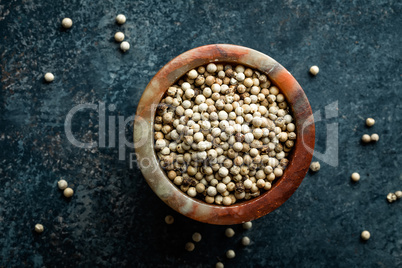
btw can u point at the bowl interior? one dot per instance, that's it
(274, 183)
(282, 188)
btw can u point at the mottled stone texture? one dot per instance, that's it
(114, 219)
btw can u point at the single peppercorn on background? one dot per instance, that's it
(114, 219)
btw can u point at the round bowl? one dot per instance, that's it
(282, 188)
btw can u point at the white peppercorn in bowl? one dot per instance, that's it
(164, 187)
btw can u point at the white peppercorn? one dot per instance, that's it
(240, 196)
(169, 219)
(229, 232)
(314, 70)
(240, 77)
(226, 180)
(39, 228)
(315, 166)
(355, 177)
(189, 246)
(219, 265)
(248, 82)
(280, 98)
(230, 254)
(247, 225)
(223, 115)
(283, 136)
(68, 192)
(239, 69)
(186, 104)
(165, 151)
(178, 180)
(257, 121)
(223, 172)
(124, 46)
(248, 137)
(119, 37)
(391, 197)
(209, 199)
(67, 23)
(192, 192)
(211, 68)
(245, 241)
(248, 72)
(200, 99)
(278, 172)
(267, 186)
(366, 138)
(221, 187)
(370, 122)
(365, 235)
(227, 201)
(120, 19)
(248, 184)
(49, 77)
(196, 237)
(374, 137)
(218, 199)
(231, 186)
(290, 127)
(261, 181)
(203, 107)
(192, 74)
(62, 184)
(189, 93)
(211, 191)
(238, 146)
(207, 92)
(248, 118)
(253, 152)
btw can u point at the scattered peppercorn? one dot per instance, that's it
(374, 137)
(391, 197)
(355, 177)
(124, 46)
(62, 184)
(230, 254)
(315, 166)
(169, 219)
(366, 138)
(398, 194)
(39, 228)
(189, 246)
(219, 265)
(49, 77)
(68, 192)
(370, 122)
(119, 37)
(66, 23)
(365, 235)
(314, 70)
(247, 225)
(196, 237)
(120, 19)
(229, 232)
(245, 241)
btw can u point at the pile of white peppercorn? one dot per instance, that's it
(223, 133)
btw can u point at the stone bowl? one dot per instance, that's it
(282, 188)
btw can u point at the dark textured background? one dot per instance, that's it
(114, 219)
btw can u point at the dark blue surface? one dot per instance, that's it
(114, 219)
